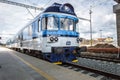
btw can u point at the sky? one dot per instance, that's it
(13, 18)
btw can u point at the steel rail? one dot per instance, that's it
(115, 60)
(93, 70)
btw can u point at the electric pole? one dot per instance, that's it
(90, 12)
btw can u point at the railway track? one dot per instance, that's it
(115, 60)
(100, 75)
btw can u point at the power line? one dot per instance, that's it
(99, 4)
(47, 3)
(6, 34)
(30, 12)
(84, 19)
(94, 4)
(20, 4)
(34, 3)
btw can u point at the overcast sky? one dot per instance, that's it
(13, 18)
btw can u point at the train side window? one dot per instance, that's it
(21, 36)
(30, 31)
(35, 30)
(44, 23)
(27, 33)
(16, 39)
(39, 26)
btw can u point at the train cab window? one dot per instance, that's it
(71, 25)
(50, 23)
(44, 23)
(67, 24)
(77, 27)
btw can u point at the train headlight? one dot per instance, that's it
(56, 39)
(52, 39)
(79, 40)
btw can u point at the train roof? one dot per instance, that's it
(61, 8)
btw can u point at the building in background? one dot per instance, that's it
(86, 42)
(116, 9)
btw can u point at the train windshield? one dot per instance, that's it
(58, 23)
(67, 24)
(50, 23)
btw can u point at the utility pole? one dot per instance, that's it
(90, 12)
(90, 20)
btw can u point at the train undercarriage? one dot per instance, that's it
(57, 56)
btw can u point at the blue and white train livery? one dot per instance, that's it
(52, 34)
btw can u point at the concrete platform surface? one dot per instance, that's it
(17, 66)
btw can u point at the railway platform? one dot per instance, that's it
(17, 66)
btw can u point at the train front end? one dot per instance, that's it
(60, 38)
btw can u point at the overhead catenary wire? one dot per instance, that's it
(20, 4)
(47, 3)
(34, 3)
(31, 3)
(30, 12)
(90, 12)
(94, 4)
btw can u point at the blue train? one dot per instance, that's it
(52, 35)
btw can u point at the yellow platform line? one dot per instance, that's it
(48, 77)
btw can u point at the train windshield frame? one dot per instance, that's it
(59, 23)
